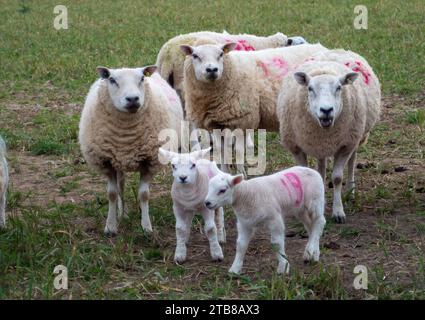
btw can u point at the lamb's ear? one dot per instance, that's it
(187, 50)
(236, 180)
(302, 78)
(348, 78)
(103, 72)
(166, 155)
(149, 70)
(200, 154)
(229, 47)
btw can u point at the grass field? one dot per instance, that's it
(57, 207)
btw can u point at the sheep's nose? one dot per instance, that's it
(183, 178)
(134, 99)
(211, 70)
(207, 203)
(326, 111)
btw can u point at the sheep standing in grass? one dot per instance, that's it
(190, 187)
(170, 60)
(297, 191)
(123, 115)
(327, 108)
(4, 181)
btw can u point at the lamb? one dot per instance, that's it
(170, 60)
(191, 175)
(324, 111)
(120, 127)
(297, 191)
(4, 181)
(236, 89)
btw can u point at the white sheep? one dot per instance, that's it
(4, 181)
(237, 89)
(190, 187)
(297, 191)
(170, 60)
(120, 127)
(324, 111)
(295, 41)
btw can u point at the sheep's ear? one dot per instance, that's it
(166, 155)
(236, 180)
(348, 78)
(187, 50)
(149, 70)
(200, 154)
(302, 78)
(103, 72)
(289, 42)
(229, 47)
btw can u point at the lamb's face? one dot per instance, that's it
(324, 95)
(207, 60)
(126, 86)
(221, 189)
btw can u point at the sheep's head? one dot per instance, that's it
(221, 189)
(184, 165)
(126, 86)
(324, 95)
(207, 60)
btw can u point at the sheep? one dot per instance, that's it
(297, 191)
(123, 115)
(191, 175)
(170, 60)
(4, 181)
(295, 41)
(235, 89)
(324, 111)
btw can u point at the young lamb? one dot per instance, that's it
(324, 111)
(170, 59)
(190, 187)
(123, 115)
(236, 89)
(4, 181)
(297, 191)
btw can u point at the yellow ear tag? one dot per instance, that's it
(147, 74)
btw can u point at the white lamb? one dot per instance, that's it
(4, 181)
(297, 191)
(190, 187)
(324, 111)
(120, 127)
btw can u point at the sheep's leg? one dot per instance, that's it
(300, 158)
(183, 226)
(340, 159)
(3, 210)
(219, 221)
(111, 227)
(121, 185)
(350, 177)
(321, 168)
(144, 202)
(244, 236)
(211, 232)
(316, 223)
(277, 237)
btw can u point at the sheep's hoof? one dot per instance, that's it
(217, 257)
(339, 219)
(110, 233)
(179, 259)
(234, 272)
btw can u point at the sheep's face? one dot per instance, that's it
(184, 165)
(221, 189)
(126, 86)
(207, 60)
(324, 95)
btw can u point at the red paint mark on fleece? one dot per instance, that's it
(357, 66)
(169, 92)
(296, 186)
(276, 68)
(210, 174)
(242, 45)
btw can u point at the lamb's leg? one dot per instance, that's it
(316, 223)
(111, 227)
(244, 236)
(340, 159)
(211, 232)
(183, 226)
(300, 158)
(121, 185)
(277, 237)
(144, 202)
(350, 177)
(219, 221)
(2, 210)
(321, 168)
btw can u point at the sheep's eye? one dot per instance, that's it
(310, 89)
(222, 191)
(142, 79)
(338, 88)
(113, 81)
(195, 56)
(221, 54)
(193, 166)
(173, 166)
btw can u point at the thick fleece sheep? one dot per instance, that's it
(4, 181)
(297, 191)
(190, 187)
(122, 118)
(327, 108)
(170, 59)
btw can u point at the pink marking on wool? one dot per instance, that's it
(357, 66)
(264, 67)
(286, 187)
(210, 173)
(241, 45)
(277, 64)
(296, 185)
(169, 92)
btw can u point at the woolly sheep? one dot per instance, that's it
(170, 59)
(297, 191)
(190, 187)
(235, 89)
(4, 181)
(324, 111)
(295, 41)
(123, 115)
